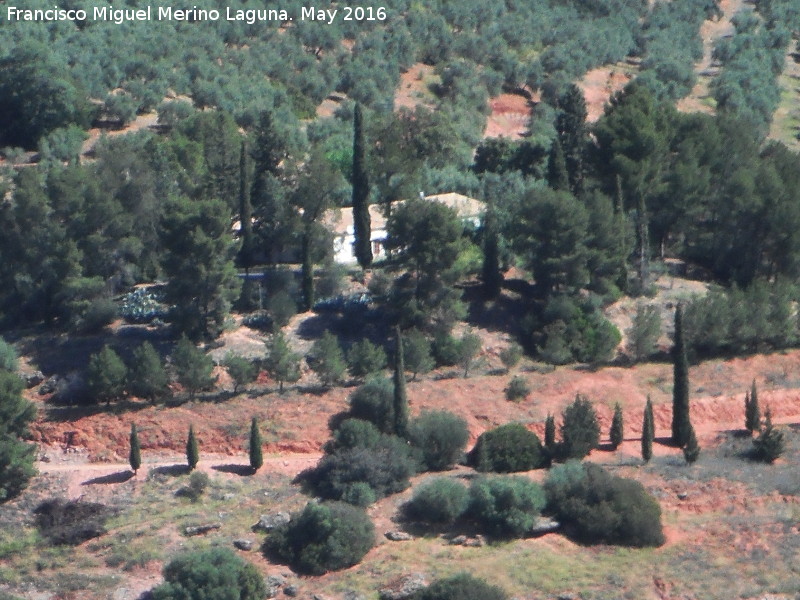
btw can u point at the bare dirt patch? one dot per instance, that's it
(415, 87)
(509, 116)
(598, 85)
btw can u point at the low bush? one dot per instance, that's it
(460, 587)
(517, 389)
(506, 506)
(507, 449)
(324, 537)
(353, 433)
(440, 500)
(71, 522)
(441, 437)
(374, 402)
(214, 573)
(597, 507)
(385, 467)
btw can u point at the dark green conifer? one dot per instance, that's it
(135, 456)
(256, 454)
(192, 450)
(617, 427)
(400, 397)
(648, 431)
(492, 276)
(550, 433)
(557, 175)
(361, 222)
(681, 423)
(752, 412)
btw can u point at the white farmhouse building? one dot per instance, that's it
(341, 223)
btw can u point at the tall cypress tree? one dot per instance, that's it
(573, 134)
(752, 412)
(492, 276)
(617, 427)
(648, 431)
(135, 456)
(550, 433)
(680, 385)
(256, 455)
(192, 450)
(400, 397)
(361, 223)
(557, 175)
(245, 212)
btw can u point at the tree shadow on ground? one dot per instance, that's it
(171, 470)
(235, 469)
(111, 478)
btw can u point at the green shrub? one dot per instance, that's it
(385, 467)
(597, 507)
(365, 358)
(71, 522)
(446, 350)
(327, 359)
(100, 312)
(417, 355)
(441, 437)
(214, 573)
(192, 367)
(324, 537)
(769, 444)
(506, 506)
(580, 431)
(281, 307)
(507, 449)
(8, 356)
(353, 433)
(517, 389)
(460, 587)
(374, 402)
(358, 493)
(441, 500)
(241, 370)
(510, 356)
(198, 483)
(147, 377)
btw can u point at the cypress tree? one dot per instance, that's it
(680, 386)
(245, 213)
(691, 451)
(135, 456)
(573, 134)
(752, 412)
(557, 175)
(550, 433)
(617, 427)
(492, 276)
(361, 222)
(192, 451)
(400, 397)
(648, 431)
(307, 270)
(256, 455)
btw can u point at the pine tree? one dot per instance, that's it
(400, 397)
(550, 433)
(752, 412)
(192, 451)
(680, 385)
(256, 455)
(282, 364)
(557, 175)
(192, 366)
(147, 377)
(648, 431)
(691, 451)
(361, 223)
(328, 360)
(135, 456)
(617, 427)
(106, 375)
